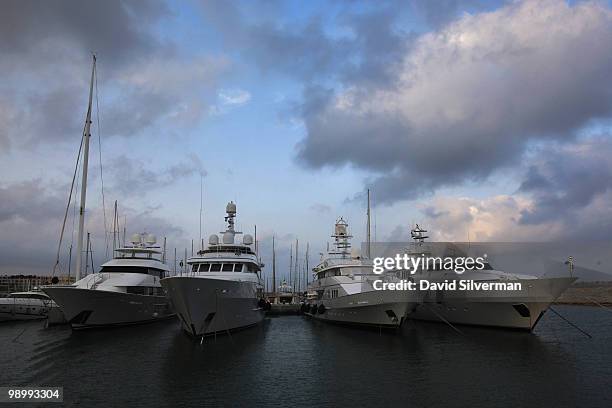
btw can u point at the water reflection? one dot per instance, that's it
(294, 361)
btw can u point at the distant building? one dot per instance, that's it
(24, 283)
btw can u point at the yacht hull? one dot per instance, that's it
(373, 308)
(206, 306)
(84, 308)
(511, 309)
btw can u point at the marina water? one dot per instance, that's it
(294, 361)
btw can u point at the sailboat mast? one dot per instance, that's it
(369, 241)
(296, 272)
(307, 271)
(86, 136)
(290, 265)
(273, 267)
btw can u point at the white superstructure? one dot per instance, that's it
(223, 290)
(343, 283)
(126, 290)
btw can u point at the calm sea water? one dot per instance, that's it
(292, 361)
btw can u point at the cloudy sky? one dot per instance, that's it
(491, 119)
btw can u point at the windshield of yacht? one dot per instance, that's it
(223, 267)
(132, 269)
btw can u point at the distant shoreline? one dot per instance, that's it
(587, 294)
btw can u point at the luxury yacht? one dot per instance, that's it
(31, 305)
(223, 291)
(127, 289)
(344, 287)
(515, 309)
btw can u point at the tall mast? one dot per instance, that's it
(86, 136)
(115, 231)
(201, 205)
(306, 261)
(290, 265)
(369, 242)
(296, 275)
(273, 266)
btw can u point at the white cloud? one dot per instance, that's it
(234, 97)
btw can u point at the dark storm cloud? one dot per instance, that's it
(142, 79)
(566, 180)
(26, 201)
(135, 177)
(468, 98)
(31, 217)
(365, 50)
(115, 29)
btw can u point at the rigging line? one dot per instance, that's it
(433, 310)
(100, 160)
(76, 167)
(570, 323)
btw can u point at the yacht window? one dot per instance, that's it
(137, 290)
(194, 268)
(216, 267)
(228, 267)
(238, 267)
(204, 267)
(251, 268)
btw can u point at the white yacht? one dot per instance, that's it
(285, 293)
(31, 305)
(223, 291)
(515, 309)
(344, 287)
(127, 289)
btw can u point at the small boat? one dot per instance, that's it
(285, 293)
(31, 305)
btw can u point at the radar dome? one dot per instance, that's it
(136, 239)
(151, 239)
(247, 240)
(213, 240)
(340, 229)
(228, 238)
(230, 208)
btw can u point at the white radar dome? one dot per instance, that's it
(151, 239)
(228, 238)
(214, 239)
(247, 240)
(136, 239)
(340, 229)
(230, 208)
